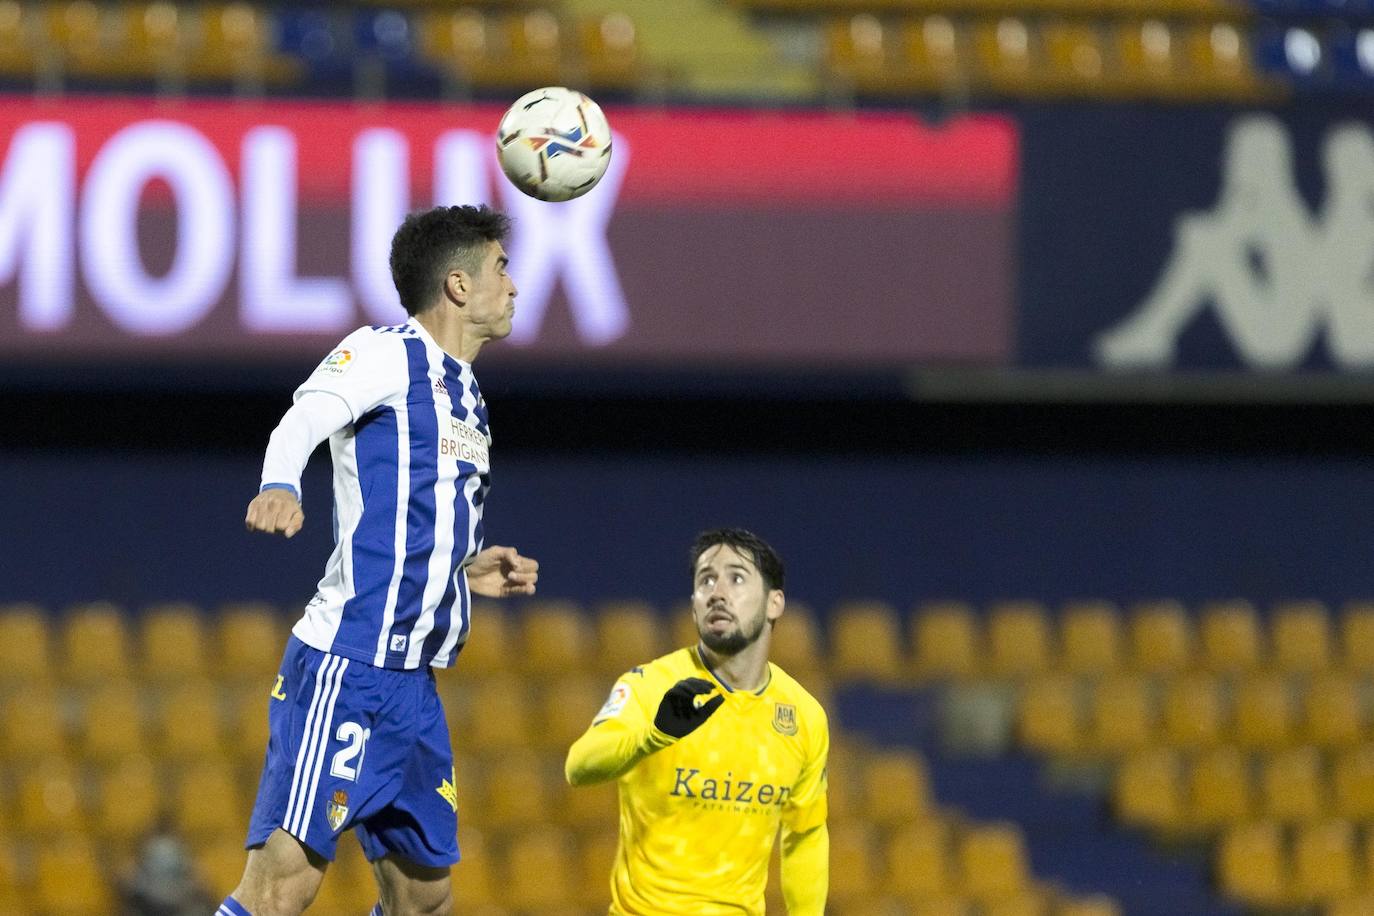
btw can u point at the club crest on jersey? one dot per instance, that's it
(785, 719)
(337, 363)
(337, 810)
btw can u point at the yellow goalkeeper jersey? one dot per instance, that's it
(698, 816)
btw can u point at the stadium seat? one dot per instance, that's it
(1090, 638)
(348, 885)
(487, 651)
(95, 644)
(1193, 714)
(628, 633)
(608, 49)
(249, 642)
(1161, 638)
(519, 788)
(127, 802)
(1099, 905)
(857, 53)
(853, 858)
(845, 774)
(189, 722)
(1292, 786)
(1049, 720)
(14, 898)
(1252, 866)
(1333, 714)
(992, 862)
(236, 46)
(502, 716)
(535, 39)
(248, 725)
(1230, 637)
(1148, 790)
(111, 723)
(945, 641)
(474, 881)
(469, 772)
(917, 860)
(25, 645)
(76, 31)
(1005, 61)
(1324, 862)
(865, 643)
(1218, 61)
(205, 802)
(1352, 779)
(553, 638)
(1302, 637)
(68, 880)
(1148, 54)
(934, 58)
(582, 807)
(596, 857)
(1357, 637)
(1018, 639)
(1074, 61)
(17, 41)
(153, 39)
(565, 710)
(538, 872)
(896, 788)
(1121, 715)
(48, 800)
(33, 725)
(1264, 714)
(171, 643)
(1219, 789)
(796, 644)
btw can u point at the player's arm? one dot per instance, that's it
(314, 417)
(805, 870)
(622, 734)
(501, 572)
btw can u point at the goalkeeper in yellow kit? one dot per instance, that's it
(715, 748)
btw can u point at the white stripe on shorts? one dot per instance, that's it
(324, 746)
(309, 737)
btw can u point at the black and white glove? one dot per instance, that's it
(678, 713)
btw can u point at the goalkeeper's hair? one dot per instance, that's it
(765, 558)
(430, 243)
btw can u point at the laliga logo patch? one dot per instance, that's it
(337, 363)
(620, 693)
(337, 810)
(785, 719)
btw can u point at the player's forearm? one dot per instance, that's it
(610, 749)
(311, 420)
(805, 871)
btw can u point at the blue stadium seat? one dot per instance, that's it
(1352, 58)
(318, 40)
(389, 37)
(1295, 55)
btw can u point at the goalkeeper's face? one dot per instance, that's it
(730, 601)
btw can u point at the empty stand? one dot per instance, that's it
(866, 643)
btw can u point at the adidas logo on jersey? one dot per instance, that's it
(440, 387)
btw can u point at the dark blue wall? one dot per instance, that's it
(138, 528)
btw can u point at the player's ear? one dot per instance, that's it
(776, 601)
(456, 286)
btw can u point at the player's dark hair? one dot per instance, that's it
(430, 243)
(765, 558)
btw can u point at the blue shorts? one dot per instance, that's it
(356, 746)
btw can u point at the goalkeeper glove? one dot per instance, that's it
(678, 713)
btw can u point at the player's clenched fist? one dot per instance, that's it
(275, 511)
(679, 713)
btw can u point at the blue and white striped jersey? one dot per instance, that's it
(411, 473)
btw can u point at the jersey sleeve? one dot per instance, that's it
(806, 807)
(365, 370)
(621, 734)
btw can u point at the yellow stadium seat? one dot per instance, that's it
(473, 879)
(249, 641)
(1028, 903)
(128, 801)
(1302, 637)
(1161, 637)
(1121, 715)
(1355, 905)
(25, 645)
(538, 873)
(946, 641)
(1324, 861)
(236, 44)
(1073, 57)
(76, 31)
(584, 807)
(17, 39)
(1049, 720)
(628, 633)
(13, 885)
(1090, 638)
(865, 643)
(1148, 55)
(348, 885)
(189, 722)
(1193, 713)
(487, 651)
(1088, 906)
(565, 710)
(934, 56)
(917, 860)
(1264, 713)
(1220, 789)
(68, 879)
(172, 643)
(1292, 786)
(248, 725)
(1230, 637)
(896, 788)
(1333, 715)
(992, 862)
(535, 39)
(844, 785)
(1352, 780)
(502, 716)
(1004, 58)
(95, 644)
(553, 638)
(1357, 637)
(608, 50)
(1218, 60)
(853, 857)
(1252, 866)
(596, 857)
(49, 799)
(796, 646)
(33, 724)
(518, 789)
(154, 38)
(1018, 638)
(205, 802)
(471, 794)
(112, 723)
(857, 53)
(1148, 790)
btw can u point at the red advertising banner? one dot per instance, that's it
(135, 228)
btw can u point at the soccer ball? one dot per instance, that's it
(554, 143)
